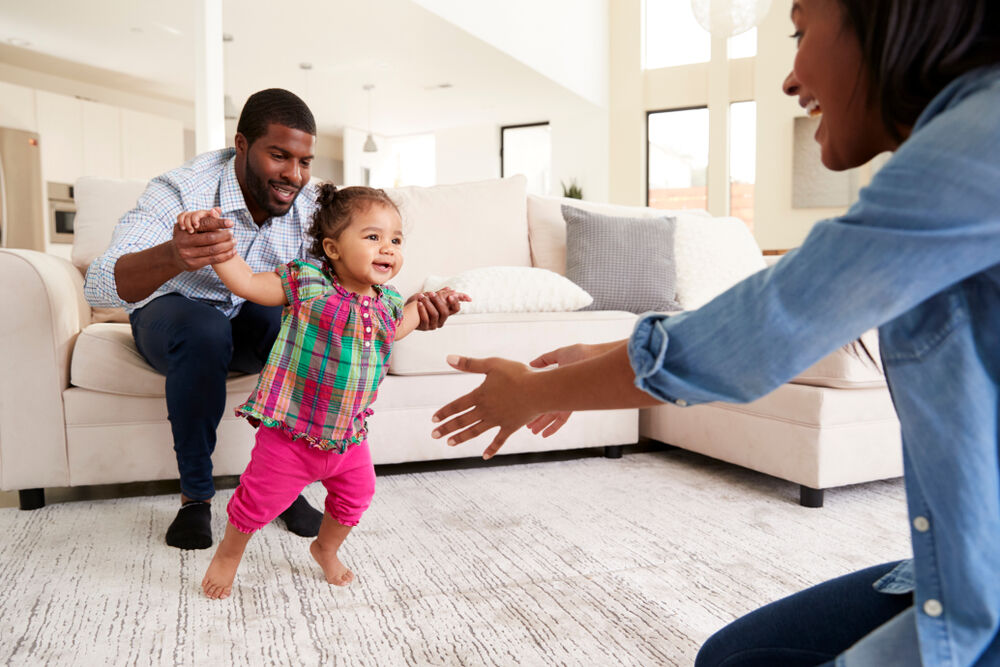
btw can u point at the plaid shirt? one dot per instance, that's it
(328, 360)
(206, 181)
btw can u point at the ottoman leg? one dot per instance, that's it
(31, 499)
(810, 497)
(612, 451)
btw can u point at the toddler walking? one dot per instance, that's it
(314, 394)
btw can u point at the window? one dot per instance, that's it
(672, 37)
(677, 154)
(527, 149)
(742, 159)
(743, 45)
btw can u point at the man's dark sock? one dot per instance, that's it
(192, 528)
(302, 518)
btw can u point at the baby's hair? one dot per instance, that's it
(335, 208)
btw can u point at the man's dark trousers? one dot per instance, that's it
(195, 346)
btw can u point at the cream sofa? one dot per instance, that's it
(79, 405)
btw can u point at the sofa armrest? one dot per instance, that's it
(43, 312)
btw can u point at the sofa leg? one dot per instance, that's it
(810, 497)
(31, 499)
(612, 451)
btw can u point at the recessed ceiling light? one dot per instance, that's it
(305, 66)
(226, 37)
(17, 41)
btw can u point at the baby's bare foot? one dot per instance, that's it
(336, 572)
(218, 581)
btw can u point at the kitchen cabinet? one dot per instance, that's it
(150, 144)
(17, 107)
(102, 140)
(60, 130)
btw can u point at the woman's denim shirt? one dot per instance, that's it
(918, 256)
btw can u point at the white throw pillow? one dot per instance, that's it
(712, 255)
(513, 289)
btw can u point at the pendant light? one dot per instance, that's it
(369, 146)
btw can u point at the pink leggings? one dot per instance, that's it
(280, 468)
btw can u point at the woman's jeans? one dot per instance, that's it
(811, 627)
(195, 346)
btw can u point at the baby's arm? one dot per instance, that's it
(411, 312)
(263, 288)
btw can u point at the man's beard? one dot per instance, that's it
(261, 193)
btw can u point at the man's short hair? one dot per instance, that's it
(274, 105)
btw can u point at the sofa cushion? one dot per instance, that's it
(712, 254)
(847, 367)
(624, 263)
(513, 289)
(520, 336)
(100, 203)
(547, 227)
(451, 228)
(105, 359)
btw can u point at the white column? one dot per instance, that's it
(718, 128)
(626, 114)
(209, 114)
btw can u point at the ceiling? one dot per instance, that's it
(148, 48)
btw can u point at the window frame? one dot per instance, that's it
(650, 112)
(516, 127)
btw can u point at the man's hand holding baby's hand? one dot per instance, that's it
(202, 238)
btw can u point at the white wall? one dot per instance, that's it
(580, 152)
(468, 154)
(565, 40)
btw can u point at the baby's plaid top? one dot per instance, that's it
(330, 355)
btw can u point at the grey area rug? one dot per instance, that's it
(585, 562)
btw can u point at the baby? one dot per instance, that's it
(314, 394)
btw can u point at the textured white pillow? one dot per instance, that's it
(712, 255)
(513, 289)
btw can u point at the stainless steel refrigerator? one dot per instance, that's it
(22, 198)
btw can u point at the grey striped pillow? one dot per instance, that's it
(624, 263)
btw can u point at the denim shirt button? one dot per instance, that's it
(921, 524)
(933, 608)
(681, 403)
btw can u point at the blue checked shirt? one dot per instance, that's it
(207, 181)
(918, 256)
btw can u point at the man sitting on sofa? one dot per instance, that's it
(186, 324)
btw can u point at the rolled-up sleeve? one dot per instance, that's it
(147, 225)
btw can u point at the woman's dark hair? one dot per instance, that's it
(274, 106)
(914, 48)
(335, 208)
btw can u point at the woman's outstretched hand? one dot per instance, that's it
(500, 400)
(550, 422)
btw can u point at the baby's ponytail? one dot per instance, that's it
(325, 194)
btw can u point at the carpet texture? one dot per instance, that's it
(585, 562)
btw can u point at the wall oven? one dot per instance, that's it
(62, 212)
